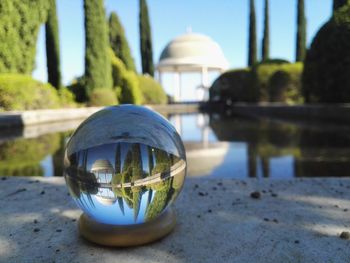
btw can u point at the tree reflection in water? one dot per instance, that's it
(138, 187)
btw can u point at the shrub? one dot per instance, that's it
(129, 91)
(326, 77)
(125, 82)
(285, 84)
(152, 91)
(67, 99)
(21, 92)
(77, 87)
(234, 85)
(274, 82)
(103, 97)
(261, 74)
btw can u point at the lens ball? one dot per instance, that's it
(125, 165)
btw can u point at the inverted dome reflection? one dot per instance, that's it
(124, 182)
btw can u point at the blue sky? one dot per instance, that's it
(226, 21)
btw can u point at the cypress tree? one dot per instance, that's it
(252, 54)
(52, 47)
(266, 39)
(20, 21)
(301, 32)
(119, 43)
(98, 72)
(339, 3)
(145, 40)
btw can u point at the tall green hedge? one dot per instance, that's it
(52, 47)
(97, 60)
(145, 40)
(326, 77)
(119, 43)
(252, 45)
(301, 32)
(265, 54)
(20, 21)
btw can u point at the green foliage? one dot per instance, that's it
(145, 40)
(301, 32)
(97, 60)
(252, 49)
(103, 97)
(339, 3)
(118, 70)
(52, 47)
(266, 39)
(19, 26)
(326, 76)
(261, 74)
(235, 85)
(275, 61)
(21, 92)
(152, 91)
(129, 92)
(77, 87)
(22, 157)
(119, 43)
(279, 82)
(67, 99)
(285, 84)
(125, 83)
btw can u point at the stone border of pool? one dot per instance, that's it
(338, 113)
(33, 117)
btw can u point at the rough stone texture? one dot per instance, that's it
(293, 221)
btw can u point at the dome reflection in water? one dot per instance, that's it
(125, 182)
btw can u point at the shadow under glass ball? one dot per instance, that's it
(125, 165)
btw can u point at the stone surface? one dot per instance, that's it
(293, 221)
(11, 119)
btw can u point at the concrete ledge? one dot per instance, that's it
(338, 113)
(293, 221)
(23, 118)
(34, 117)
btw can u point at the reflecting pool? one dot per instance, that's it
(216, 146)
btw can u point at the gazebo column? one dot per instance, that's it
(177, 86)
(205, 82)
(160, 80)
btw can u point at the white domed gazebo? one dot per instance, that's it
(191, 52)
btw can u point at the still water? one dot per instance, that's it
(216, 146)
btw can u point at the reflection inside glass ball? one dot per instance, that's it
(124, 182)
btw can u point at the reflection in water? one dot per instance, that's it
(234, 147)
(302, 149)
(124, 183)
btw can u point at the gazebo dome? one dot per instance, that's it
(192, 52)
(102, 165)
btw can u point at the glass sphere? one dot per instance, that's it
(125, 165)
